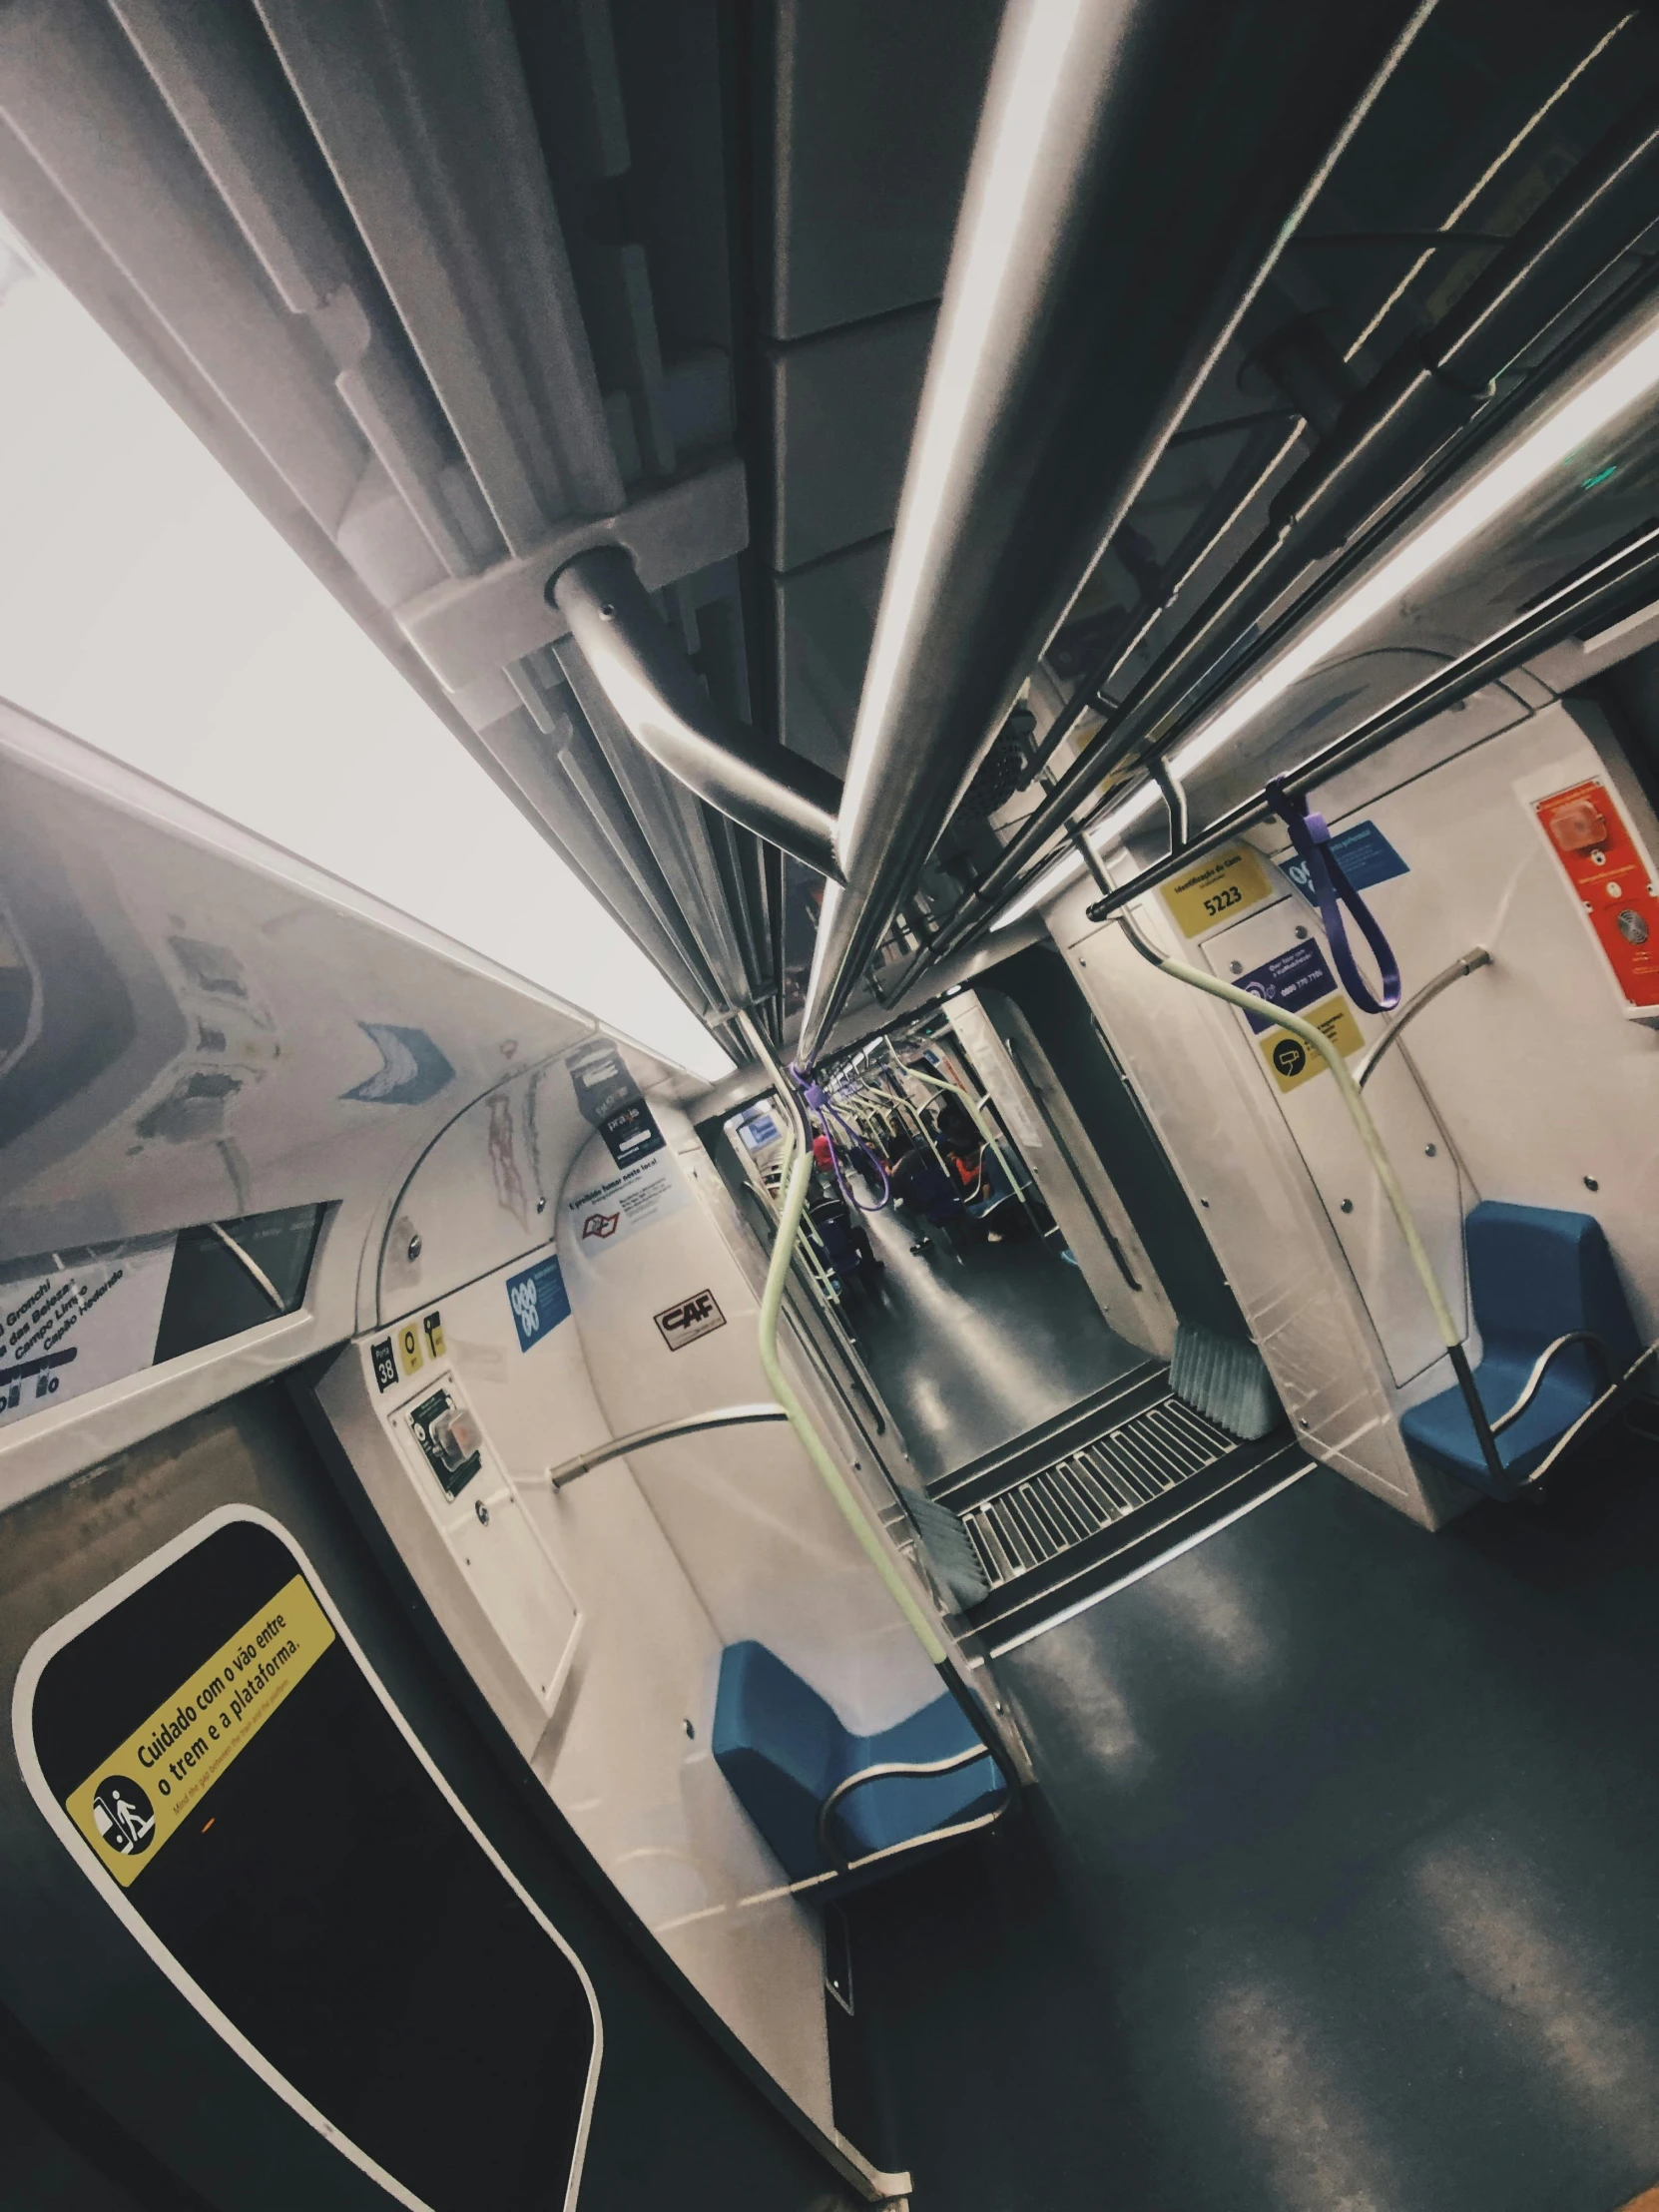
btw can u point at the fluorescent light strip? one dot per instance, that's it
(1618, 387)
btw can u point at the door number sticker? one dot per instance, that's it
(682, 1325)
(409, 1357)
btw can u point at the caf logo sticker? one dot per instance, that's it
(681, 1324)
(125, 1817)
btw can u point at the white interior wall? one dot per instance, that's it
(1535, 1071)
(760, 1539)
(1529, 1078)
(1212, 1102)
(646, 1568)
(1137, 1311)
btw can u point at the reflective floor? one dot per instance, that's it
(972, 1350)
(1342, 1892)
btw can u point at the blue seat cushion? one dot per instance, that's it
(1535, 1274)
(783, 1750)
(780, 1747)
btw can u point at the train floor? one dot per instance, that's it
(1340, 1892)
(972, 1347)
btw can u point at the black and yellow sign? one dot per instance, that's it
(150, 1786)
(1216, 888)
(1291, 1062)
(214, 1742)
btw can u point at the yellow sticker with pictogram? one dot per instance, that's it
(1291, 1062)
(150, 1786)
(1215, 889)
(409, 1354)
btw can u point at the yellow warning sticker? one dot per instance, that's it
(433, 1328)
(1223, 884)
(409, 1354)
(1291, 1062)
(147, 1787)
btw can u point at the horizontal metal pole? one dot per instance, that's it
(1638, 565)
(1408, 411)
(1138, 167)
(1466, 964)
(661, 1432)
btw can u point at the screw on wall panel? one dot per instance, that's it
(415, 1245)
(689, 1731)
(1235, 967)
(1590, 1183)
(1430, 1151)
(1302, 1420)
(541, 1205)
(1203, 1201)
(482, 1511)
(1301, 932)
(1348, 1205)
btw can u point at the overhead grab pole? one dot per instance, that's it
(1071, 338)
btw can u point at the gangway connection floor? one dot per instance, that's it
(1069, 1509)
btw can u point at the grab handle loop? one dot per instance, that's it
(819, 1101)
(1332, 892)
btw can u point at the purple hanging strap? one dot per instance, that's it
(1332, 891)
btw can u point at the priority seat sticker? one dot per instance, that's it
(143, 1793)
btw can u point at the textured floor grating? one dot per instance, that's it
(1092, 1487)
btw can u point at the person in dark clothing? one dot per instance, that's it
(838, 1224)
(923, 1187)
(957, 1133)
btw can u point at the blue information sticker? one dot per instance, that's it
(539, 1301)
(1295, 980)
(1366, 856)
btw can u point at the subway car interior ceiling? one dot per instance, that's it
(829, 1082)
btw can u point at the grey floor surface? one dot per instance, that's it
(1340, 1893)
(971, 1350)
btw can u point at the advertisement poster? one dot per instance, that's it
(66, 1331)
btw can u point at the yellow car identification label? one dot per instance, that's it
(1219, 886)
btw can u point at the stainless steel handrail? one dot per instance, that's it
(1614, 1396)
(909, 1768)
(782, 795)
(661, 1432)
(1540, 1366)
(1466, 964)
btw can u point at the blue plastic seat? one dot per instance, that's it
(1535, 1275)
(784, 1751)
